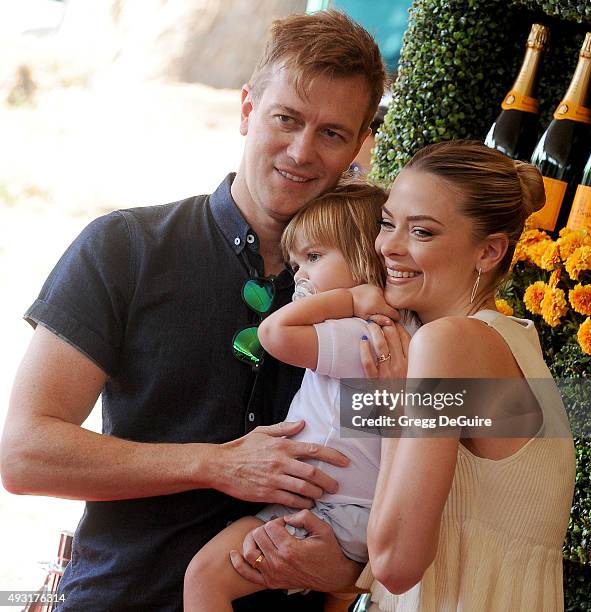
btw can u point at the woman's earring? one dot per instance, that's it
(475, 288)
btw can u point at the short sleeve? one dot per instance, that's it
(86, 296)
(338, 347)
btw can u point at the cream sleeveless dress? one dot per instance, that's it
(505, 520)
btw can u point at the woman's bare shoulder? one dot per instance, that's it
(455, 347)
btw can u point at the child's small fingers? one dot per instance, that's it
(381, 320)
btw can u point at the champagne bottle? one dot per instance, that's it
(563, 148)
(515, 130)
(580, 212)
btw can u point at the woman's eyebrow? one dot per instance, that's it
(414, 217)
(423, 218)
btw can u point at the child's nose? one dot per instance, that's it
(300, 274)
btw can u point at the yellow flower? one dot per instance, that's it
(536, 251)
(520, 254)
(503, 307)
(532, 298)
(570, 240)
(533, 236)
(584, 336)
(553, 306)
(580, 298)
(550, 257)
(579, 260)
(554, 278)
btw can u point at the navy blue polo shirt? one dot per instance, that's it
(153, 296)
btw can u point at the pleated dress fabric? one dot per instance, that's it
(505, 520)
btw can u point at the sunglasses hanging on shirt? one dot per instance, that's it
(258, 294)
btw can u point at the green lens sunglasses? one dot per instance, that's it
(258, 294)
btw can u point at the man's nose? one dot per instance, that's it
(302, 147)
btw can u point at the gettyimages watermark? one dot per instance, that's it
(477, 408)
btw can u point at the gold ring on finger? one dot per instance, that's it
(383, 358)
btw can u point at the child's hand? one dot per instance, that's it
(369, 302)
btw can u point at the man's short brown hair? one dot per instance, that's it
(327, 43)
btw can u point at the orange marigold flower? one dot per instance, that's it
(584, 336)
(554, 278)
(533, 236)
(520, 254)
(570, 240)
(553, 306)
(533, 296)
(503, 307)
(580, 298)
(535, 251)
(579, 260)
(551, 256)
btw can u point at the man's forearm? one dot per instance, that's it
(55, 458)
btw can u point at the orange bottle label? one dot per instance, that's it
(580, 213)
(546, 217)
(567, 110)
(515, 101)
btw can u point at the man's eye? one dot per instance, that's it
(312, 257)
(332, 134)
(386, 225)
(284, 119)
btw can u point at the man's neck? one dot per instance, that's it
(268, 230)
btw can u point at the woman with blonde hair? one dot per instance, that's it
(464, 521)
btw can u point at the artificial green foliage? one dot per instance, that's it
(577, 587)
(458, 60)
(571, 10)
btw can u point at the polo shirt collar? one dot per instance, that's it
(229, 218)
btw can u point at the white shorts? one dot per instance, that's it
(348, 522)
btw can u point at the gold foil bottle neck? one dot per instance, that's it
(586, 48)
(538, 36)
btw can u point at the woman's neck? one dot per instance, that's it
(462, 309)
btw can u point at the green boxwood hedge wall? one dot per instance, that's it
(458, 60)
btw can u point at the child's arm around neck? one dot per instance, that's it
(289, 335)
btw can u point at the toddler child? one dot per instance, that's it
(330, 245)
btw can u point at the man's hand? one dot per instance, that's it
(368, 301)
(315, 562)
(265, 466)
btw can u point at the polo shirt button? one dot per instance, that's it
(251, 416)
(237, 241)
(250, 239)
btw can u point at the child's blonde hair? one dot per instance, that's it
(346, 218)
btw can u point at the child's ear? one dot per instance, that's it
(245, 108)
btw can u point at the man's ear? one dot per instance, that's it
(494, 248)
(245, 108)
(361, 140)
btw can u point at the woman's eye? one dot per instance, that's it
(386, 225)
(312, 257)
(421, 233)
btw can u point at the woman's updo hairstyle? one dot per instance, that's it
(497, 193)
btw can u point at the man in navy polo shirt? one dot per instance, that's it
(142, 309)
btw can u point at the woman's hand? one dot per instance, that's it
(369, 302)
(390, 345)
